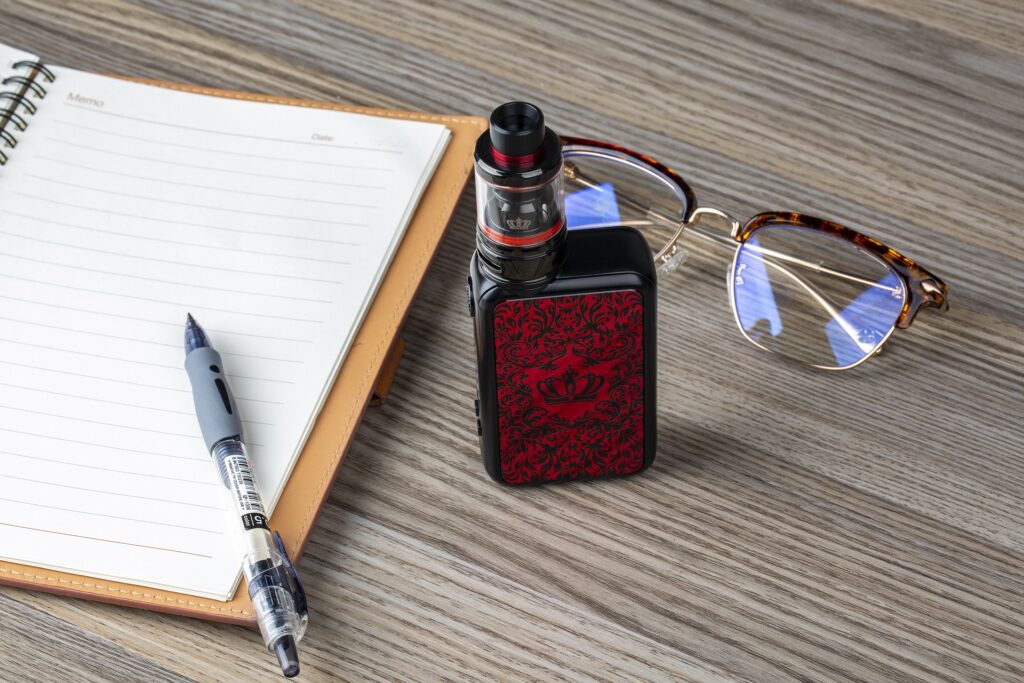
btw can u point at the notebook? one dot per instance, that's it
(123, 206)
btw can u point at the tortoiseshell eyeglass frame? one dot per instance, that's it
(924, 290)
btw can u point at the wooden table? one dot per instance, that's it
(797, 524)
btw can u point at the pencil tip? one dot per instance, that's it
(195, 336)
(287, 656)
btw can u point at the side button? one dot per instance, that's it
(469, 298)
(479, 428)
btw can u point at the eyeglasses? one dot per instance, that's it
(806, 288)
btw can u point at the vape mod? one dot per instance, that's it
(564, 320)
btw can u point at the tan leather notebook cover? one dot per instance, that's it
(311, 480)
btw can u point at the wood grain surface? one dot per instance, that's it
(796, 524)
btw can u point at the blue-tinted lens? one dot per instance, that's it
(592, 206)
(866, 321)
(814, 297)
(603, 189)
(752, 288)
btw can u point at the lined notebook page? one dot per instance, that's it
(125, 206)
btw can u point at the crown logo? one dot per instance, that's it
(518, 223)
(565, 389)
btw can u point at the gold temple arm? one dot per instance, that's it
(693, 227)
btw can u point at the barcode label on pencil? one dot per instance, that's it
(242, 485)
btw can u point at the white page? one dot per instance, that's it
(125, 206)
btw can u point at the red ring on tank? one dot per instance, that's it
(532, 240)
(517, 162)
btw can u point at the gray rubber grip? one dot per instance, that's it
(215, 406)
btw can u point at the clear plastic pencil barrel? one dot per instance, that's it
(274, 587)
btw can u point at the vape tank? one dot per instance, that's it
(520, 212)
(564, 321)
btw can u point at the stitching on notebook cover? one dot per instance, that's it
(37, 578)
(306, 523)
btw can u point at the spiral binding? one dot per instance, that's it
(15, 105)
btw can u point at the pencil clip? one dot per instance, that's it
(291, 579)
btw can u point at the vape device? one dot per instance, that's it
(564, 321)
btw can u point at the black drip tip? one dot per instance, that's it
(517, 129)
(287, 656)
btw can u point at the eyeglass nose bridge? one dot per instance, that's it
(707, 214)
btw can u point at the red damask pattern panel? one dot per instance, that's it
(570, 386)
